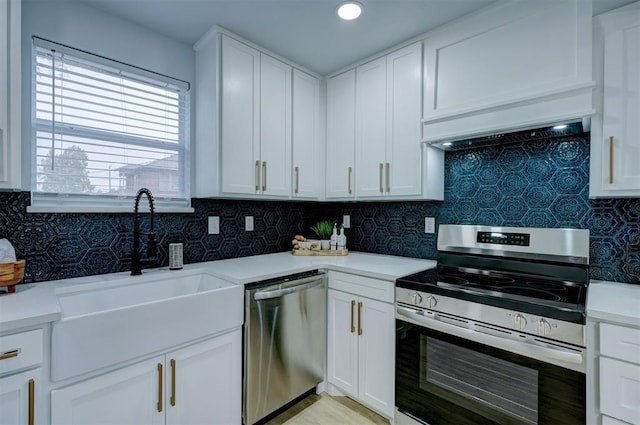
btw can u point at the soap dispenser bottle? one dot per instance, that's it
(334, 238)
(342, 239)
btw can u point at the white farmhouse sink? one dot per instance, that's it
(111, 322)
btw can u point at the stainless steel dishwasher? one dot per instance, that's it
(284, 341)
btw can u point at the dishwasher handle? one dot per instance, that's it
(302, 284)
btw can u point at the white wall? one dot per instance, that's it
(81, 26)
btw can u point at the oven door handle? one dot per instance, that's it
(524, 348)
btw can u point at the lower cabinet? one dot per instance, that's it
(360, 343)
(200, 383)
(20, 398)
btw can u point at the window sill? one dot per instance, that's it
(105, 209)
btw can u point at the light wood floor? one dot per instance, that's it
(310, 400)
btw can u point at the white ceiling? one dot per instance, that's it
(304, 31)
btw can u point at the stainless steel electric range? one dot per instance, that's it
(495, 333)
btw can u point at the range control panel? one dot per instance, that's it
(500, 238)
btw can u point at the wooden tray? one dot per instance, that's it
(324, 252)
(11, 273)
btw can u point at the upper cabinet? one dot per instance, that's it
(373, 132)
(514, 65)
(341, 104)
(10, 95)
(615, 135)
(307, 146)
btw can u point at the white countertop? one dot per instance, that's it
(614, 302)
(38, 304)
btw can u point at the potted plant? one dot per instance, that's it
(323, 229)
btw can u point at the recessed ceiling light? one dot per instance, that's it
(349, 10)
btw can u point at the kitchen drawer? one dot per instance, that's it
(382, 290)
(620, 390)
(21, 350)
(620, 342)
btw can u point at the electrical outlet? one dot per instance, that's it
(346, 221)
(214, 225)
(429, 224)
(248, 223)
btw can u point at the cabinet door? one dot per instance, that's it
(341, 94)
(620, 390)
(133, 395)
(16, 392)
(307, 157)
(404, 106)
(621, 109)
(342, 341)
(371, 116)
(10, 94)
(204, 382)
(239, 117)
(377, 355)
(275, 127)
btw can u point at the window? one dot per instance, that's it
(101, 130)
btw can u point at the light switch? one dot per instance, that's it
(214, 225)
(346, 221)
(248, 223)
(429, 224)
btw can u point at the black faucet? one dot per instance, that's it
(136, 260)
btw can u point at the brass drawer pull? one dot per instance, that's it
(360, 318)
(380, 177)
(610, 159)
(257, 175)
(353, 305)
(159, 387)
(264, 176)
(9, 354)
(173, 382)
(32, 401)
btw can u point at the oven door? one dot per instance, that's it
(443, 379)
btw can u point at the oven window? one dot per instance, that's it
(461, 375)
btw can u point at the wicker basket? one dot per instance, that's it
(11, 273)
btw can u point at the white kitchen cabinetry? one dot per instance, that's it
(10, 95)
(340, 147)
(307, 153)
(255, 122)
(361, 340)
(615, 136)
(496, 70)
(388, 113)
(197, 384)
(20, 401)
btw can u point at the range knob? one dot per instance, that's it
(519, 322)
(543, 327)
(417, 298)
(431, 301)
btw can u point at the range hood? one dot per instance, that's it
(516, 136)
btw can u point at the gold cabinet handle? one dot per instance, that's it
(353, 305)
(349, 179)
(388, 174)
(32, 401)
(159, 387)
(173, 382)
(380, 177)
(297, 180)
(360, 318)
(257, 175)
(610, 159)
(9, 354)
(264, 176)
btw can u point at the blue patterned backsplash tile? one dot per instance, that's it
(538, 184)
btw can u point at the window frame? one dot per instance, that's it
(105, 202)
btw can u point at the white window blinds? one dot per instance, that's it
(101, 130)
